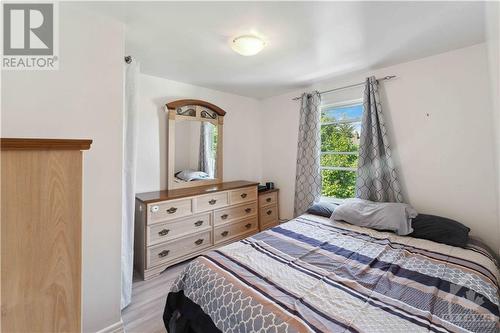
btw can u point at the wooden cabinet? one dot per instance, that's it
(268, 209)
(172, 226)
(41, 204)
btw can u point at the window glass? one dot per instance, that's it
(340, 134)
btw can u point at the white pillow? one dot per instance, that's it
(377, 215)
(189, 175)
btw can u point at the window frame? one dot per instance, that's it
(345, 103)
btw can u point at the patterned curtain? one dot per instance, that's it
(206, 160)
(376, 179)
(308, 177)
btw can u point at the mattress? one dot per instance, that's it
(315, 275)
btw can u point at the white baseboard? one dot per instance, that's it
(115, 328)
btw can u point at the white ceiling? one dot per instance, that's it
(307, 42)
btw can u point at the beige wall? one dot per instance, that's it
(445, 159)
(493, 45)
(242, 140)
(83, 99)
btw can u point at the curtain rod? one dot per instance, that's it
(388, 77)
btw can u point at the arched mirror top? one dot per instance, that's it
(196, 108)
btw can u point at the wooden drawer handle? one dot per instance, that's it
(248, 210)
(163, 232)
(199, 241)
(269, 199)
(171, 210)
(243, 195)
(212, 202)
(163, 253)
(248, 225)
(198, 223)
(225, 216)
(269, 212)
(224, 233)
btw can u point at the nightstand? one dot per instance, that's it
(268, 209)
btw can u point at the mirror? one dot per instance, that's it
(194, 144)
(195, 151)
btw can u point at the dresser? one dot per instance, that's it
(268, 209)
(175, 225)
(41, 199)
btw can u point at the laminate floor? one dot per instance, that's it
(144, 314)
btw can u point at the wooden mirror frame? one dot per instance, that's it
(171, 109)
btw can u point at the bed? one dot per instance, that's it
(312, 274)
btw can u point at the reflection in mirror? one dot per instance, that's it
(195, 151)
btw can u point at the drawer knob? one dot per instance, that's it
(248, 225)
(243, 195)
(212, 202)
(224, 233)
(224, 216)
(163, 232)
(269, 199)
(269, 212)
(163, 253)
(198, 223)
(199, 241)
(248, 210)
(171, 210)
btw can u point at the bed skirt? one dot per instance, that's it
(182, 315)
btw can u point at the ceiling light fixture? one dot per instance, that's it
(247, 45)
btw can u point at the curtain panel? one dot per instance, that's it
(308, 177)
(128, 180)
(376, 176)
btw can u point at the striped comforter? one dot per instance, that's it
(315, 275)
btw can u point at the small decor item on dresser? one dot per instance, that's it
(262, 187)
(270, 185)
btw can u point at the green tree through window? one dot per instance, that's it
(340, 130)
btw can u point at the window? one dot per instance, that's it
(340, 133)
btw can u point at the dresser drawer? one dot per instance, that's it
(243, 195)
(160, 232)
(229, 231)
(268, 199)
(268, 225)
(168, 210)
(211, 201)
(165, 252)
(268, 214)
(232, 213)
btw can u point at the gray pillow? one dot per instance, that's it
(377, 215)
